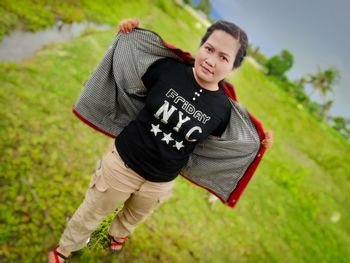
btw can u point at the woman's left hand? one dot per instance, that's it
(128, 25)
(268, 141)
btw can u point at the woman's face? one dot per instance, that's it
(215, 58)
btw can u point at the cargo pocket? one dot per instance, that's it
(97, 179)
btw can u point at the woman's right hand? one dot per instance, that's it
(128, 25)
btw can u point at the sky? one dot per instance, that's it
(317, 32)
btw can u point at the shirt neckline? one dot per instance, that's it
(195, 83)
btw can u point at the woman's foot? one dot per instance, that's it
(116, 244)
(57, 255)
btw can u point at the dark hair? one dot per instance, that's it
(235, 32)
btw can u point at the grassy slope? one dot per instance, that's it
(48, 156)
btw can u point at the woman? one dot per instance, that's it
(185, 105)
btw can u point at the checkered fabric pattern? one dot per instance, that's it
(114, 94)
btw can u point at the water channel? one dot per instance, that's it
(20, 44)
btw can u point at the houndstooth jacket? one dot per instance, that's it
(114, 94)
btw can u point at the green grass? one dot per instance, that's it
(47, 158)
(23, 14)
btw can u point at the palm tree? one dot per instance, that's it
(323, 81)
(325, 108)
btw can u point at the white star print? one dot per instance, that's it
(167, 137)
(155, 129)
(178, 145)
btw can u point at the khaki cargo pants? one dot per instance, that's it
(112, 185)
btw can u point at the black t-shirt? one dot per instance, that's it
(178, 113)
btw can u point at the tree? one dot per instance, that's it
(340, 124)
(322, 81)
(204, 6)
(325, 108)
(278, 65)
(255, 53)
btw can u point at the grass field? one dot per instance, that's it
(295, 209)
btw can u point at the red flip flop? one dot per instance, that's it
(57, 254)
(114, 242)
